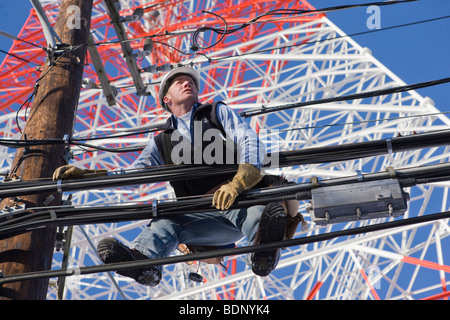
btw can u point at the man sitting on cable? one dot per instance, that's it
(186, 130)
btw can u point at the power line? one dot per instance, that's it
(329, 39)
(367, 121)
(13, 37)
(68, 215)
(17, 57)
(279, 11)
(195, 32)
(213, 59)
(326, 154)
(254, 20)
(85, 215)
(226, 30)
(14, 143)
(228, 252)
(421, 115)
(355, 96)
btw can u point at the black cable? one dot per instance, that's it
(27, 143)
(329, 39)
(327, 154)
(65, 216)
(302, 43)
(10, 36)
(365, 121)
(27, 102)
(276, 12)
(15, 143)
(102, 137)
(269, 13)
(224, 31)
(355, 96)
(226, 252)
(294, 11)
(17, 57)
(115, 150)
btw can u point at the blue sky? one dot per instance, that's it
(416, 53)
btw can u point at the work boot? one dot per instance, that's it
(111, 251)
(272, 228)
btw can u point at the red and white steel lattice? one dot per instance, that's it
(278, 60)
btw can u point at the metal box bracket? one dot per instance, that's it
(356, 201)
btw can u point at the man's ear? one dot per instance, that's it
(166, 99)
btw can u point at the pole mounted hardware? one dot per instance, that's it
(117, 22)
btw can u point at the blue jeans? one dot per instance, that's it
(220, 228)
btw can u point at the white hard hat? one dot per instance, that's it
(167, 81)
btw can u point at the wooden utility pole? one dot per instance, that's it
(52, 116)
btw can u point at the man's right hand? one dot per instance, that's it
(245, 178)
(72, 172)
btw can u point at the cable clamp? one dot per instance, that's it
(8, 211)
(389, 145)
(14, 178)
(48, 200)
(68, 155)
(155, 208)
(315, 182)
(53, 215)
(391, 171)
(66, 140)
(359, 175)
(59, 186)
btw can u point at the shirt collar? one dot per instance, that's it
(174, 119)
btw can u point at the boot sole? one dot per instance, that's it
(272, 228)
(111, 250)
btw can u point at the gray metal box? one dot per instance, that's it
(356, 201)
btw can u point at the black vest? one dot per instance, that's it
(207, 117)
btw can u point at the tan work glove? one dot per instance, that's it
(246, 177)
(72, 172)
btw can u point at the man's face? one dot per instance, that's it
(182, 90)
